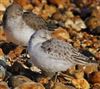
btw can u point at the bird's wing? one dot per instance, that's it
(34, 21)
(59, 49)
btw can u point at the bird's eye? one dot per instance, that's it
(18, 12)
(42, 36)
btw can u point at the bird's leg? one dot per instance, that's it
(50, 75)
(54, 78)
(67, 77)
(56, 75)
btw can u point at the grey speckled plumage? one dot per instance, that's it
(64, 50)
(53, 55)
(34, 21)
(20, 25)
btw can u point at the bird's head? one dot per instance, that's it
(13, 10)
(40, 36)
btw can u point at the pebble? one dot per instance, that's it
(61, 33)
(30, 85)
(4, 85)
(61, 86)
(95, 77)
(19, 80)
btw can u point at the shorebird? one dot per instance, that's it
(52, 55)
(20, 25)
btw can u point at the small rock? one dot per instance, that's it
(60, 86)
(76, 23)
(93, 21)
(96, 86)
(79, 74)
(93, 24)
(58, 16)
(7, 47)
(96, 31)
(70, 87)
(80, 83)
(36, 2)
(82, 3)
(61, 33)
(2, 73)
(77, 44)
(90, 68)
(2, 7)
(16, 52)
(5, 2)
(98, 55)
(48, 11)
(19, 80)
(2, 34)
(60, 3)
(25, 4)
(30, 85)
(1, 53)
(95, 77)
(96, 11)
(3, 85)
